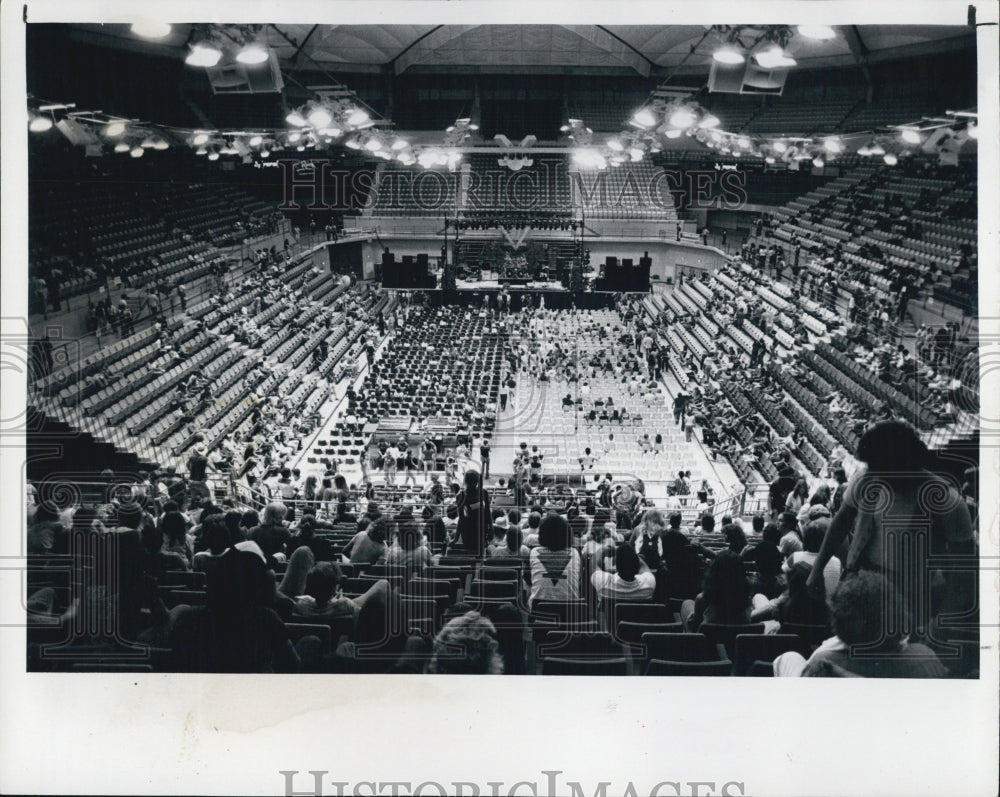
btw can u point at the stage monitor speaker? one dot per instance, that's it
(407, 260)
(422, 261)
(611, 261)
(627, 262)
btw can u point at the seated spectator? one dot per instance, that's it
(368, 545)
(512, 546)
(409, 551)
(735, 537)
(238, 629)
(795, 605)
(769, 579)
(272, 534)
(215, 535)
(555, 564)
(725, 597)
(467, 645)
(632, 578)
(791, 540)
(812, 541)
(863, 646)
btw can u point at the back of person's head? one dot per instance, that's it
(363, 523)
(466, 645)
(409, 535)
(471, 480)
(727, 520)
(860, 607)
(803, 606)
(513, 517)
(735, 537)
(758, 523)
(232, 521)
(626, 561)
(215, 533)
(674, 521)
(307, 526)
(152, 539)
(726, 585)
(707, 523)
(840, 475)
(554, 532)
(768, 559)
(250, 519)
(892, 447)
(174, 526)
(274, 514)
(513, 538)
(240, 583)
(812, 537)
(378, 530)
(535, 519)
(340, 482)
(771, 533)
(129, 516)
(821, 496)
(322, 581)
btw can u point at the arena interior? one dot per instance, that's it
(522, 349)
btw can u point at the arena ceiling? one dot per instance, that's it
(640, 49)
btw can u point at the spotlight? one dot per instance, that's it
(122, 146)
(635, 154)
(727, 54)
(353, 143)
(682, 117)
(148, 143)
(616, 145)
(256, 141)
(137, 152)
(203, 55)
(780, 146)
(644, 118)
(973, 131)
(832, 145)
(254, 53)
(890, 159)
(199, 151)
(373, 145)
(876, 149)
(716, 136)
(320, 117)
(708, 121)
(818, 162)
(676, 133)
(114, 129)
(910, 136)
(293, 138)
(199, 139)
(295, 118)
(818, 32)
(864, 151)
(774, 58)
(331, 132)
(161, 145)
(151, 30)
(213, 156)
(357, 117)
(744, 142)
(265, 154)
(399, 144)
(769, 159)
(40, 124)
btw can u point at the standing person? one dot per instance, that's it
(680, 407)
(428, 457)
(389, 465)
(484, 456)
(410, 466)
(474, 518)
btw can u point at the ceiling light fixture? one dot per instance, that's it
(40, 124)
(203, 55)
(727, 54)
(253, 53)
(151, 30)
(818, 32)
(320, 117)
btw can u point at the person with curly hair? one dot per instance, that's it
(467, 645)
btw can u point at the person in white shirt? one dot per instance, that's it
(632, 580)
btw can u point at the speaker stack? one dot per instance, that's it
(410, 274)
(626, 277)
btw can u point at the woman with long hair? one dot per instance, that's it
(899, 513)
(725, 597)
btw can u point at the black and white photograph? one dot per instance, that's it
(350, 345)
